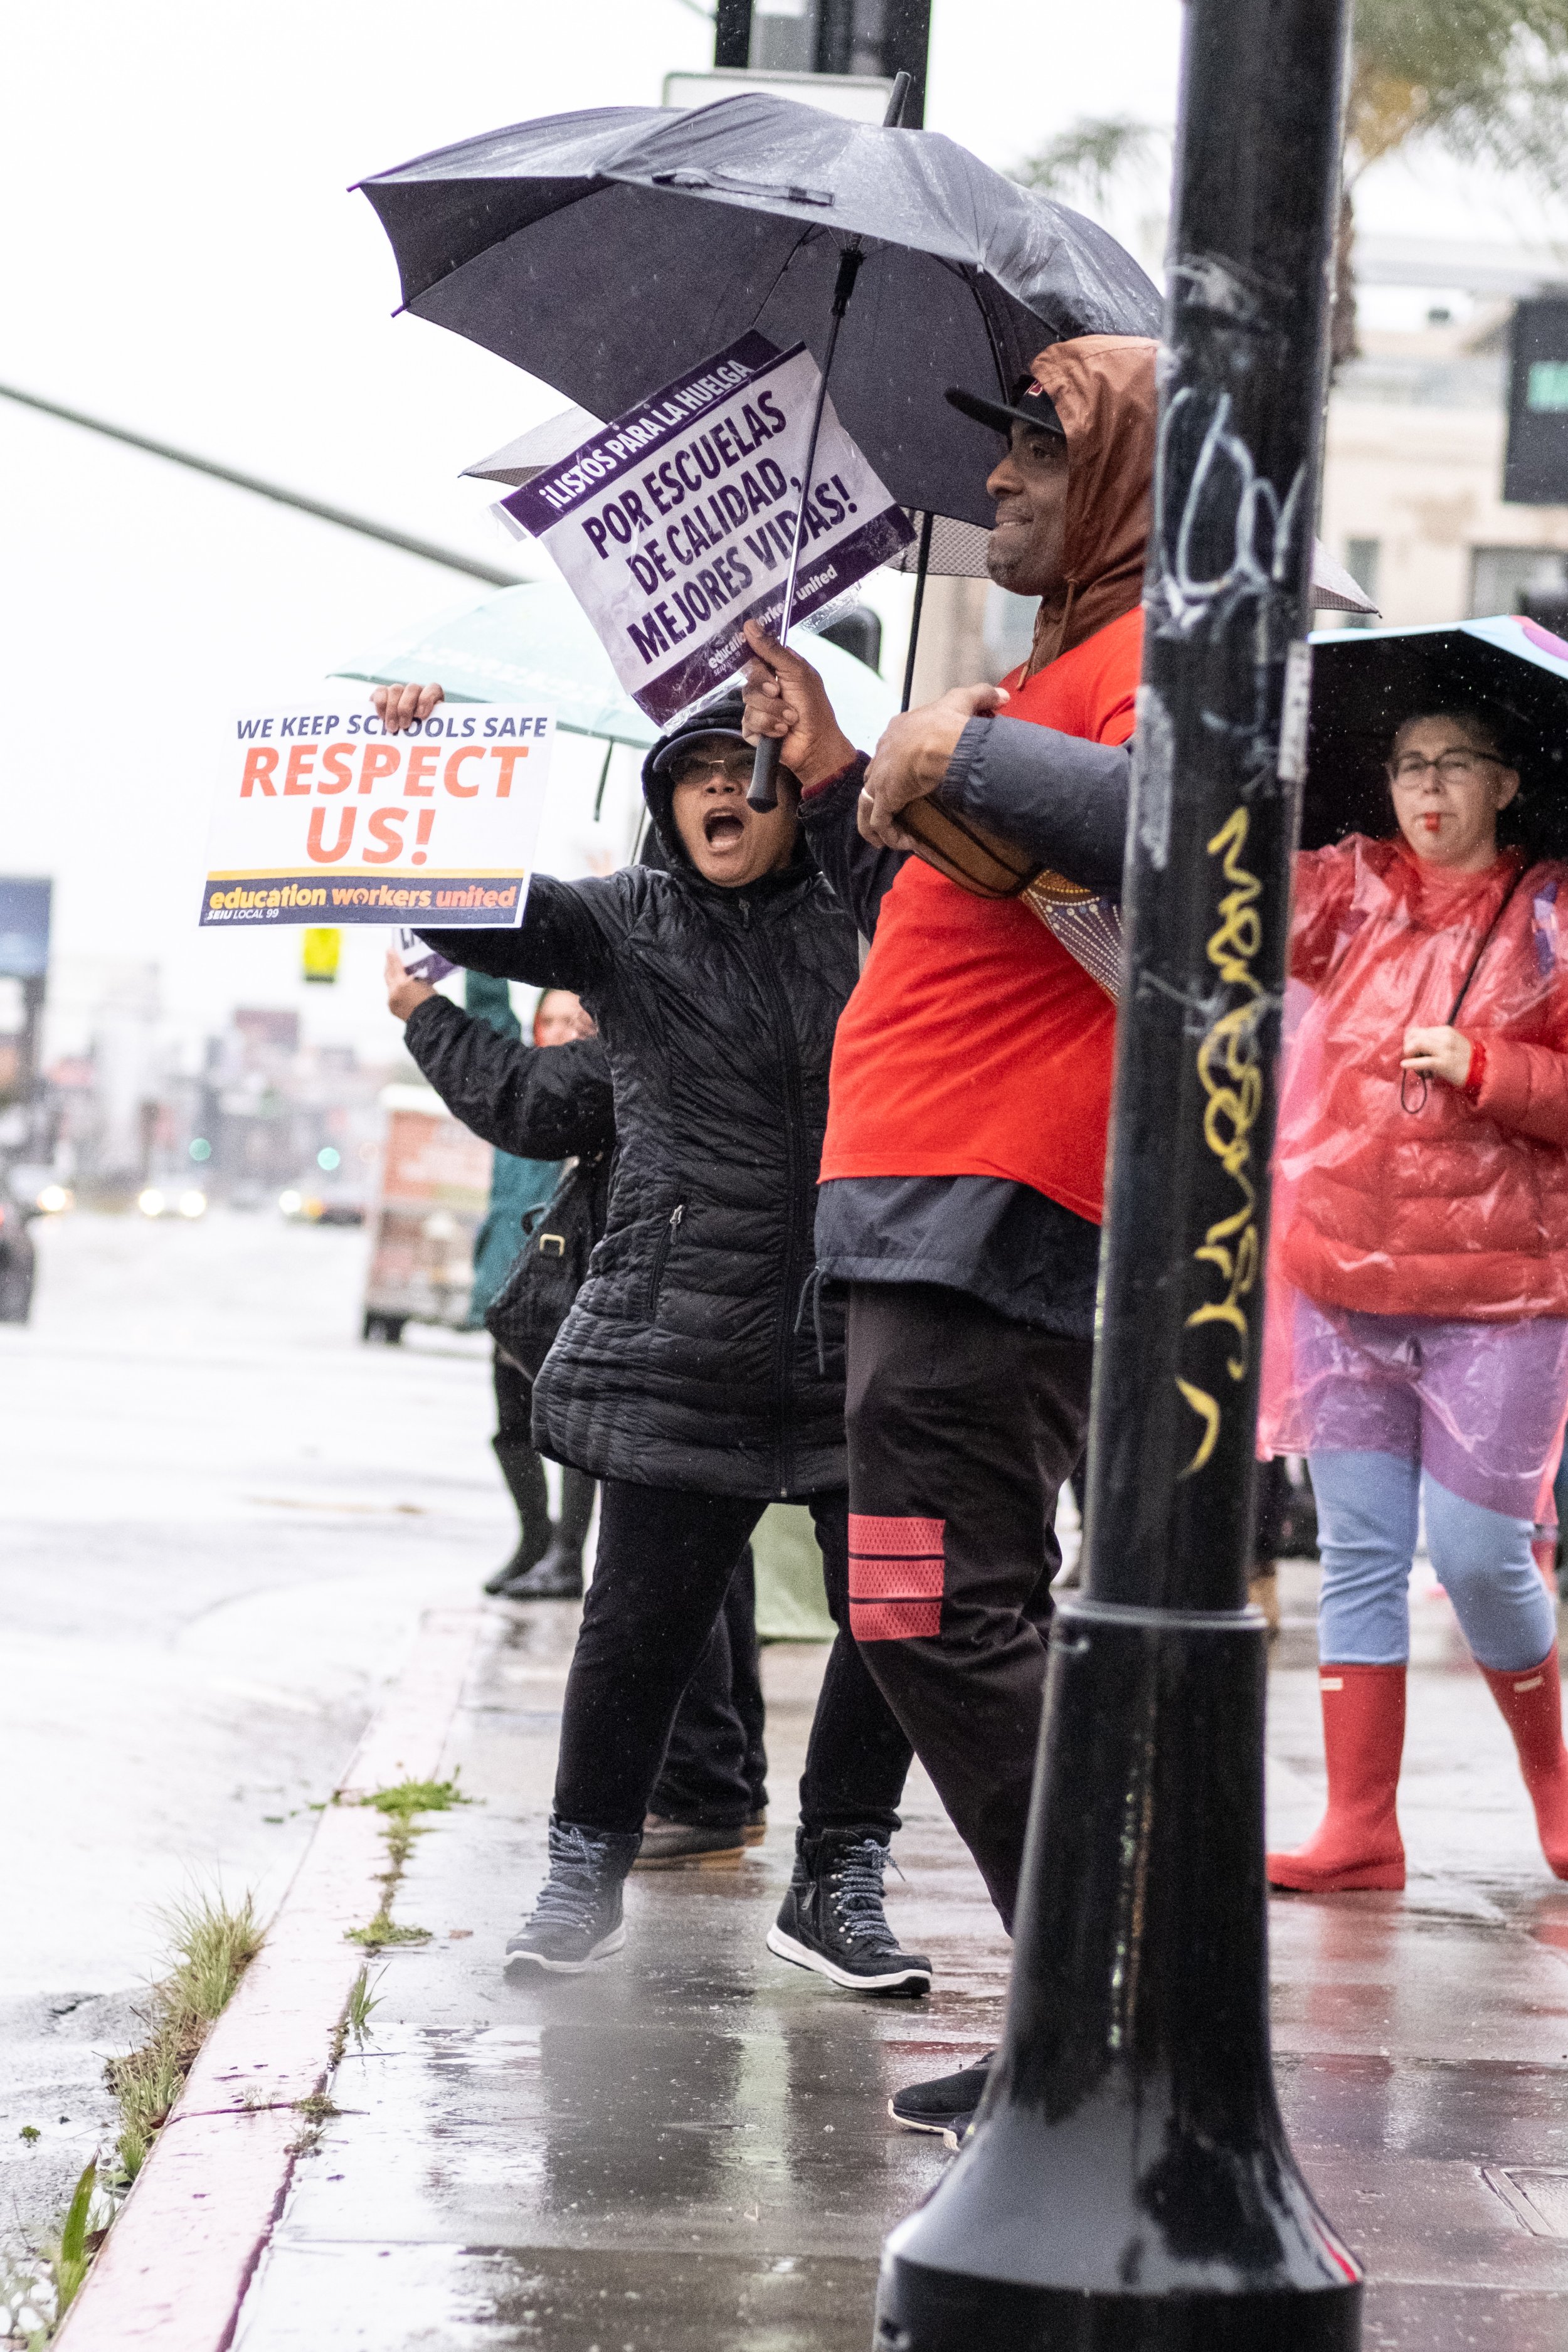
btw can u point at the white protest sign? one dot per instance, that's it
(320, 816)
(673, 524)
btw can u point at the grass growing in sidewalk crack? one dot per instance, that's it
(213, 1946)
(401, 1805)
(36, 2292)
(362, 2005)
(355, 2019)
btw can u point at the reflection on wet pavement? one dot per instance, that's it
(690, 2149)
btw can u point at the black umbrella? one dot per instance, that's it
(1366, 682)
(610, 250)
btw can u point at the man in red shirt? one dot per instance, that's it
(963, 1165)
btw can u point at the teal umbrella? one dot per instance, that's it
(535, 644)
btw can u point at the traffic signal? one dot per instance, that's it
(320, 950)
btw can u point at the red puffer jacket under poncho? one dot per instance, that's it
(1460, 1209)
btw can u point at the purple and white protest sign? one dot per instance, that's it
(673, 523)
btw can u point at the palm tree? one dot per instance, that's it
(1488, 80)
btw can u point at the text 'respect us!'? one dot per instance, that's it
(320, 816)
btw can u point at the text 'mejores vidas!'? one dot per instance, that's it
(320, 816)
(673, 524)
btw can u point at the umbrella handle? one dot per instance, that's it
(762, 795)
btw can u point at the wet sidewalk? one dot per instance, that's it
(690, 2149)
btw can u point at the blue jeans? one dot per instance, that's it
(1367, 1517)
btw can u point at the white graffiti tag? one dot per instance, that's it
(1224, 485)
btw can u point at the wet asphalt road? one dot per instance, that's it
(220, 1518)
(688, 2150)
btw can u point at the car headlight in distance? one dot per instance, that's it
(151, 1202)
(193, 1204)
(290, 1203)
(54, 1199)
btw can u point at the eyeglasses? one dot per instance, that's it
(1453, 767)
(735, 766)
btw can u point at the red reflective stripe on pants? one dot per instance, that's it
(895, 1621)
(874, 1531)
(895, 1579)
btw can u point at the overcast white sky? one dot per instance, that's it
(182, 258)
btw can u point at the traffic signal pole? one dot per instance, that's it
(1128, 2187)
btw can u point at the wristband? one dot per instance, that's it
(1471, 1089)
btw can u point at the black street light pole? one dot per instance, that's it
(1128, 2187)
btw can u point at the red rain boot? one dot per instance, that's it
(1531, 1705)
(1357, 1842)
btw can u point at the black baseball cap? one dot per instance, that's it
(722, 718)
(1031, 405)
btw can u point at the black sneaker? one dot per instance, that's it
(944, 2107)
(832, 1918)
(557, 1576)
(576, 1915)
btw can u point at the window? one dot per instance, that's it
(1531, 579)
(1546, 387)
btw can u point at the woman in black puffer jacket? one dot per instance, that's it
(686, 1376)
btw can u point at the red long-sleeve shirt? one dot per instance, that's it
(974, 1044)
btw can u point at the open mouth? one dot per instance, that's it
(722, 827)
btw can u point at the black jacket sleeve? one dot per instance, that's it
(566, 938)
(538, 1102)
(861, 874)
(1059, 798)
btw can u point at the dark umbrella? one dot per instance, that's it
(609, 250)
(1365, 682)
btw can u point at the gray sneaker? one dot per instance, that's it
(576, 1915)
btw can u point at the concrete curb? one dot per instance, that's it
(176, 2264)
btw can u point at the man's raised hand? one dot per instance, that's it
(398, 706)
(785, 696)
(912, 758)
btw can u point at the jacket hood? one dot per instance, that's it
(659, 798)
(658, 790)
(1103, 390)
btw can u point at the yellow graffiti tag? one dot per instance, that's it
(1232, 1077)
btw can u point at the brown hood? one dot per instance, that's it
(1103, 389)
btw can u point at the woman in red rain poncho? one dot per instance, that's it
(1419, 1351)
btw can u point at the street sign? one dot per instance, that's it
(858, 98)
(826, 40)
(321, 818)
(1535, 467)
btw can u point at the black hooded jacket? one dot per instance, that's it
(680, 1364)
